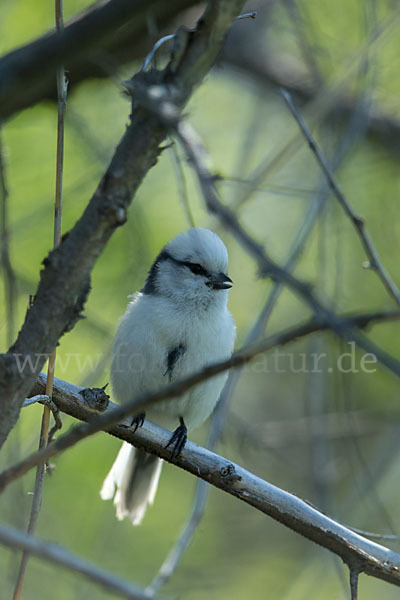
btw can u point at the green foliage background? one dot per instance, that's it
(353, 473)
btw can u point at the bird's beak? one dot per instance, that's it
(221, 282)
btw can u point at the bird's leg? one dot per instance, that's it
(138, 421)
(178, 439)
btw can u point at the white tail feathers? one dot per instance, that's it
(134, 480)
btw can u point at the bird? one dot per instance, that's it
(177, 324)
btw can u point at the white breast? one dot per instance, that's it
(150, 329)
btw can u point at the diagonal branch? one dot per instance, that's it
(296, 514)
(358, 223)
(176, 389)
(267, 266)
(246, 53)
(56, 554)
(65, 279)
(27, 74)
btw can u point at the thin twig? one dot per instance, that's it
(354, 574)
(249, 15)
(311, 216)
(324, 101)
(362, 462)
(375, 536)
(56, 554)
(35, 508)
(358, 223)
(150, 57)
(267, 266)
(44, 432)
(307, 51)
(239, 358)
(166, 38)
(181, 184)
(46, 401)
(176, 553)
(62, 85)
(9, 277)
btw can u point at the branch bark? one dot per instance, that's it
(64, 281)
(27, 73)
(108, 419)
(88, 46)
(296, 514)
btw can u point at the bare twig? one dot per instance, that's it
(35, 399)
(35, 508)
(46, 401)
(9, 277)
(248, 15)
(371, 558)
(267, 266)
(314, 211)
(177, 551)
(105, 29)
(44, 432)
(109, 418)
(307, 51)
(55, 554)
(150, 57)
(65, 279)
(167, 38)
(323, 102)
(181, 184)
(61, 104)
(359, 224)
(247, 53)
(354, 574)
(375, 536)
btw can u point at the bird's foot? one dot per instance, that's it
(138, 421)
(178, 439)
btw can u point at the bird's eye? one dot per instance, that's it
(196, 268)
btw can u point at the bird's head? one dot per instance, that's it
(192, 267)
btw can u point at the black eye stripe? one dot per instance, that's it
(196, 268)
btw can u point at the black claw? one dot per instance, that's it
(178, 439)
(138, 421)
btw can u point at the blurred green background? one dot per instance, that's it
(329, 437)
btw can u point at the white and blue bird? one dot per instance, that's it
(175, 326)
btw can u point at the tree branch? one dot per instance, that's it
(245, 53)
(358, 223)
(64, 282)
(98, 35)
(53, 553)
(105, 421)
(161, 102)
(267, 266)
(296, 514)
(126, 39)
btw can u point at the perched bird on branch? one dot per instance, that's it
(176, 325)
